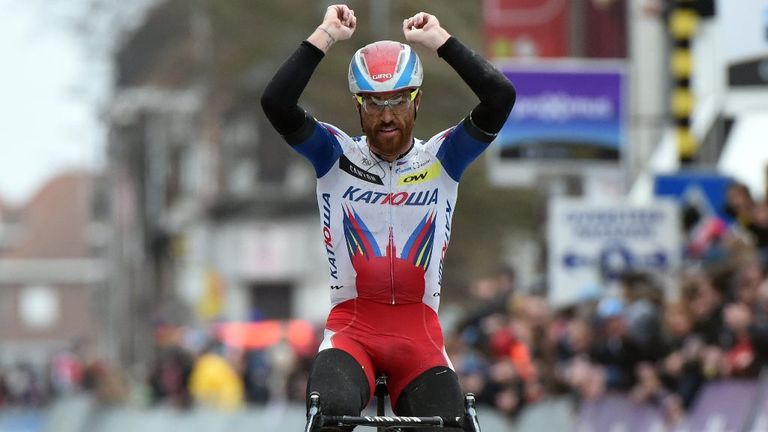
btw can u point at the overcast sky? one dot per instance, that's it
(48, 118)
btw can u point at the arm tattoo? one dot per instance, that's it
(331, 40)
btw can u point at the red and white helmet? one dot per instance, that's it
(384, 66)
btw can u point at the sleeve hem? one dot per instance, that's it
(303, 133)
(475, 132)
(446, 47)
(318, 53)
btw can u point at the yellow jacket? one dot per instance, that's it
(214, 383)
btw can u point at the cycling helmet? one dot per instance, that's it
(384, 66)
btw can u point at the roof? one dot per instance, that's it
(54, 222)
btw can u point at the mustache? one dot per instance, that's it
(388, 124)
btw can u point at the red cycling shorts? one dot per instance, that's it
(401, 341)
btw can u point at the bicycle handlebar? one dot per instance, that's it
(316, 420)
(391, 421)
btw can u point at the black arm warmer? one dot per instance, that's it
(496, 93)
(281, 97)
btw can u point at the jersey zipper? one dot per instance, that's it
(391, 242)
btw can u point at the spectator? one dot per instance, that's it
(491, 295)
(740, 331)
(614, 350)
(680, 370)
(706, 302)
(739, 204)
(256, 377)
(758, 230)
(169, 380)
(643, 299)
(473, 373)
(214, 382)
(574, 343)
(66, 372)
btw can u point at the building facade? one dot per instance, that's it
(213, 219)
(52, 273)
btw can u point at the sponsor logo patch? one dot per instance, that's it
(328, 237)
(416, 198)
(348, 167)
(427, 174)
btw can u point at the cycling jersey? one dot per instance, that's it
(386, 225)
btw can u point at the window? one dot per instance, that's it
(39, 307)
(271, 300)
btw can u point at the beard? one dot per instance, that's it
(388, 139)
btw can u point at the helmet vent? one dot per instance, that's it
(401, 61)
(364, 65)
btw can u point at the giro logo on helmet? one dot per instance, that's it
(384, 66)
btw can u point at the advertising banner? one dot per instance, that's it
(617, 412)
(590, 244)
(568, 115)
(565, 111)
(526, 28)
(759, 410)
(21, 420)
(723, 406)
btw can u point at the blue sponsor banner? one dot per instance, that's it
(704, 191)
(21, 421)
(721, 406)
(565, 111)
(617, 412)
(724, 406)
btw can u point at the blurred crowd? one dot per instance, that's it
(226, 378)
(20, 385)
(192, 369)
(656, 339)
(33, 385)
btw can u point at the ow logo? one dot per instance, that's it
(415, 178)
(427, 174)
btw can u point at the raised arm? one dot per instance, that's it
(280, 98)
(495, 91)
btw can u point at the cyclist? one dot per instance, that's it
(386, 201)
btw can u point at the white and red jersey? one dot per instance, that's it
(386, 225)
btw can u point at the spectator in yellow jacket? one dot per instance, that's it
(214, 382)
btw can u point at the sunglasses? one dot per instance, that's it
(398, 104)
